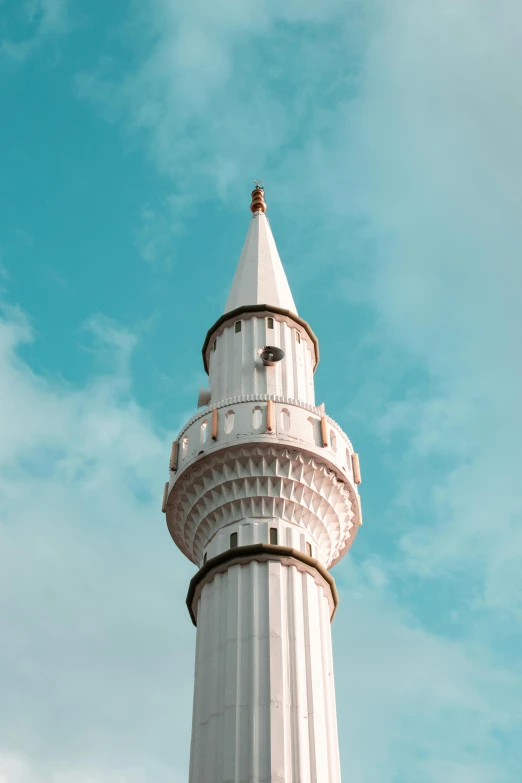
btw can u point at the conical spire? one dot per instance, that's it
(260, 277)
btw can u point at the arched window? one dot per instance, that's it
(229, 421)
(237, 326)
(297, 336)
(184, 447)
(214, 344)
(233, 540)
(257, 418)
(269, 323)
(333, 440)
(309, 549)
(285, 419)
(203, 433)
(315, 430)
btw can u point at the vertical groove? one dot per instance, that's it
(221, 678)
(254, 641)
(289, 350)
(283, 368)
(257, 329)
(239, 690)
(306, 579)
(230, 678)
(196, 711)
(292, 670)
(295, 347)
(329, 694)
(276, 666)
(211, 713)
(223, 390)
(301, 713)
(262, 374)
(289, 769)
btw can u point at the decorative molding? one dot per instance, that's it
(251, 311)
(262, 553)
(317, 410)
(263, 481)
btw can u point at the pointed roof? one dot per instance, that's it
(260, 282)
(260, 277)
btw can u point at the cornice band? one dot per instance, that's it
(241, 555)
(260, 308)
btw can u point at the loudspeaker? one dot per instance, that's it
(271, 355)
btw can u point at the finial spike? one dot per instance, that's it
(258, 197)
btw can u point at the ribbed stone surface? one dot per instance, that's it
(257, 481)
(264, 702)
(236, 369)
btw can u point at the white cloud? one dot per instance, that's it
(91, 587)
(413, 705)
(437, 132)
(17, 769)
(204, 94)
(159, 227)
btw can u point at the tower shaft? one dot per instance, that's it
(264, 701)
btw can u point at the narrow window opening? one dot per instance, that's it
(297, 336)
(333, 441)
(257, 417)
(237, 326)
(315, 430)
(309, 549)
(229, 422)
(270, 323)
(204, 558)
(233, 540)
(184, 447)
(273, 535)
(214, 345)
(203, 435)
(285, 419)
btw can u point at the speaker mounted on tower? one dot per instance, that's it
(270, 355)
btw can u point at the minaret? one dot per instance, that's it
(262, 498)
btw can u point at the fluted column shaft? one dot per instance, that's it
(264, 701)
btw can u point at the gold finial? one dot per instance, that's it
(258, 197)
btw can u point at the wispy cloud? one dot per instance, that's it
(160, 226)
(442, 199)
(407, 696)
(78, 482)
(37, 22)
(219, 90)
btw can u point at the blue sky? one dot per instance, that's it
(388, 138)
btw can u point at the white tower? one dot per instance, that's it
(262, 498)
